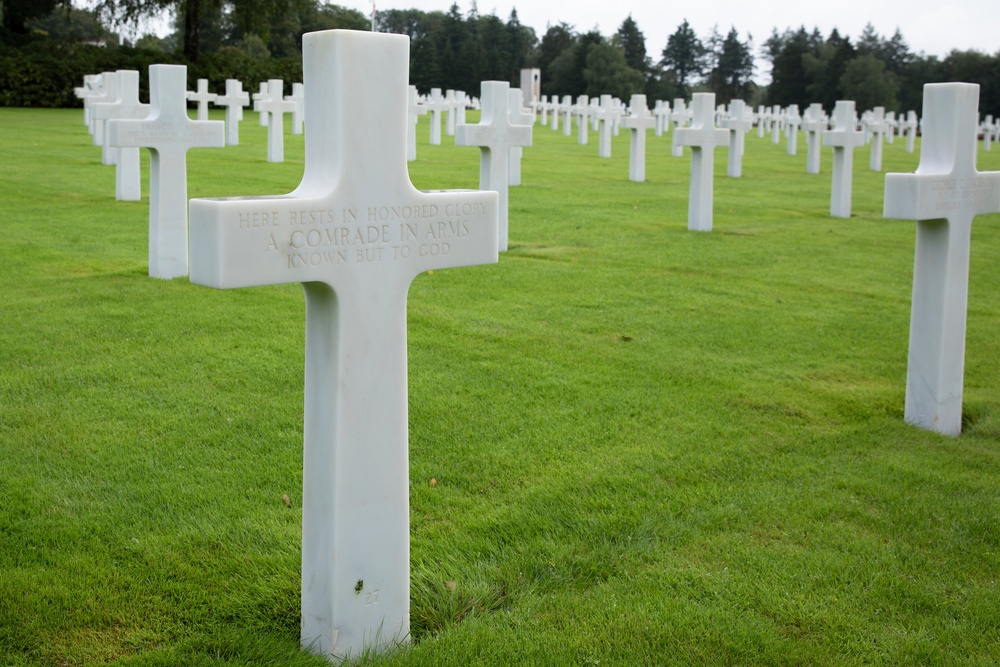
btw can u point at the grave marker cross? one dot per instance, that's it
(844, 138)
(168, 133)
(234, 100)
(128, 186)
(495, 135)
(702, 136)
(355, 233)
(738, 124)
(202, 97)
(640, 121)
(276, 107)
(943, 196)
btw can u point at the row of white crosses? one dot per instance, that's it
(377, 233)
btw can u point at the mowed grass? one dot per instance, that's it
(650, 446)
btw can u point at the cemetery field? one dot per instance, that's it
(630, 444)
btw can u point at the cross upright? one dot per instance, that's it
(890, 126)
(777, 118)
(276, 107)
(128, 186)
(679, 116)
(763, 118)
(91, 88)
(702, 137)
(792, 122)
(355, 233)
(637, 123)
(202, 97)
(234, 100)
(263, 94)
(414, 110)
(813, 123)
(567, 111)
(168, 133)
(909, 128)
(662, 112)
(435, 105)
(495, 135)
(604, 116)
(844, 138)
(944, 195)
(878, 127)
(554, 121)
(298, 98)
(738, 125)
(98, 127)
(518, 116)
(449, 113)
(582, 111)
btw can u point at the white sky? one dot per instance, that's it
(934, 27)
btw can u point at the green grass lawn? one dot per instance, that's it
(651, 446)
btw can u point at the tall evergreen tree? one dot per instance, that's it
(633, 43)
(683, 58)
(732, 76)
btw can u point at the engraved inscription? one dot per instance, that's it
(372, 597)
(318, 237)
(153, 134)
(960, 194)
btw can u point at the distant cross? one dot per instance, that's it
(168, 133)
(637, 123)
(878, 127)
(298, 98)
(702, 137)
(450, 112)
(738, 125)
(435, 105)
(128, 186)
(202, 97)
(944, 196)
(234, 100)
(890, 126)
(679, 116)
(763, 118)
(987, 129)
(813, 124)
(543, 107)
(263, 95)
(662, 113)
(567, 111)
(98, 126)
(518, 116)
(777, 117)
(844, 138)
(554, 122)
(604, 116)
(495, 135)
(414, 110)
(582, 111)
(910, 130)
(276, 108)
(792, 122)
(355, 233)
(91, 88)
(461, 100)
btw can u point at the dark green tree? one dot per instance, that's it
(14, 14)
(683, 58)
(789, 80)
(607, 72)
(732, 76)
(556, 40)
(869, 84)
(633, 43)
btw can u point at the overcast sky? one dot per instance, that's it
(934, 27)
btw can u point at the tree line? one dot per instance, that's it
(456, 49)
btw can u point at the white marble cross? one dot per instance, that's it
(298, 97)
(944, 196)
(814, 123)
(168, 133)
(263, 95)
(777, 117)
(566, 108)
(679, 116)
(878, 127)
(554, 121)
(91, 88)
(108, 94)
(435, 105)
(543, 107)
(662, 113)
(582, 111)
(792, 122)
(737, 124)
(518, 116)
(128, 185)
(637, 123)
(202, 97)
(844, 138)
(604, 116)
(763, 118)
(495, 135)
(449, 114)
(276, 107)
(415, 109)
(355, 233)
(890, 126)
(909, 128)
(234, 100)
(702, 136)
